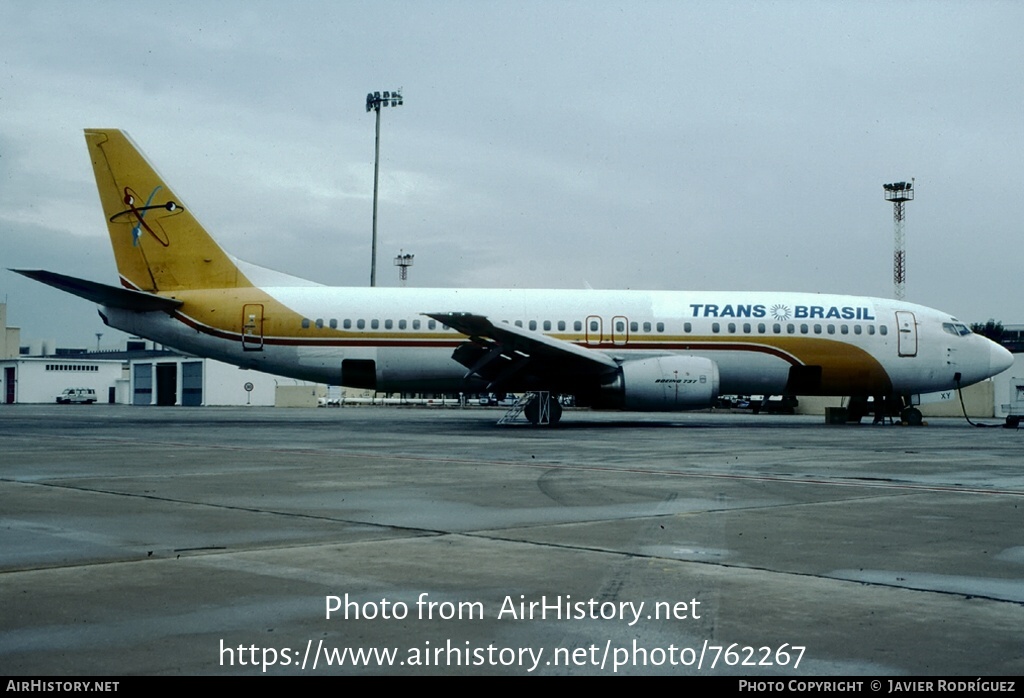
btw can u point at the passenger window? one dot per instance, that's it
(732, 328)
(660, 327)
(533, 324)
(715, 327)
(374, 324)
(803, 329)
(857, 329)
(388, 324)
(871, 329)
(319, 323)
(518, 323)
(361, 324)
(401, 324)
(831, 329)
(347, 324)
(634, 327)
(561, 325)
(593, 325)
(416, 324)
(746, 328)
(620, 326)
(547, 325)
(305, 323)
(431, 324)
(844, 329)
(577, 326)
(817, 329)
(334, 324)
(884, 329)
(687, 327)
(777, 328)
(791, 328)
(761, 328)
(647, 327)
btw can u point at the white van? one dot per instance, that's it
(77, 396)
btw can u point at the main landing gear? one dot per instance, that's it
(540, 407)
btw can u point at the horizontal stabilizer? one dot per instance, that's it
(110, 296)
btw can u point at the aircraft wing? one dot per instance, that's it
(110, 296)
(507, 355)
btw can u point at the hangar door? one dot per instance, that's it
(142, 384)
(166, 384)
(192, 383)
(9, 385)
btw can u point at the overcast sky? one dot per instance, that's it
(661, 145)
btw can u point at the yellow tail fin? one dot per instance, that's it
(158, 243)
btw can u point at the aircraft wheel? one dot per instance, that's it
(532, 411)
(912, 416)
(556, 411)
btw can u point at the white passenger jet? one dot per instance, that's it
(630, 350)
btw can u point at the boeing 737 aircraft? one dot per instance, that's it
(630, 350)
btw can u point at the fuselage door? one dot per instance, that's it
(594, 327)
(906, 326)
(252, 327)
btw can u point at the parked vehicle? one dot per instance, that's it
(77, 396)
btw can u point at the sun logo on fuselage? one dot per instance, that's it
(781, 312)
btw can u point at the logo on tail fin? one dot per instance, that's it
(140, 214)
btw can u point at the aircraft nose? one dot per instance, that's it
(999, 359)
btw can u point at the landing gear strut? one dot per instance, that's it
(544, 409)
(911, 416)
(541, 408)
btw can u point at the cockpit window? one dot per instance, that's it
(957, 329)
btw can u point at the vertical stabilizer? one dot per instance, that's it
(158, 243)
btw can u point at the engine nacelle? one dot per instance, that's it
(662, 384)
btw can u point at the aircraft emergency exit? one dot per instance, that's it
(631, 350)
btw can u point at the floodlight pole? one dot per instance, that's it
(899, 193)
(403, 262)
(376, 178)
(374, 101)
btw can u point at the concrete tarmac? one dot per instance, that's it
(141, 541)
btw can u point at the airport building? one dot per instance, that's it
(1008, 386)
(10, 337)
(44, 379)
(161, 378)
(195, 382)
(141, 374)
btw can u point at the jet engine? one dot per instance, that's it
(661, 384)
